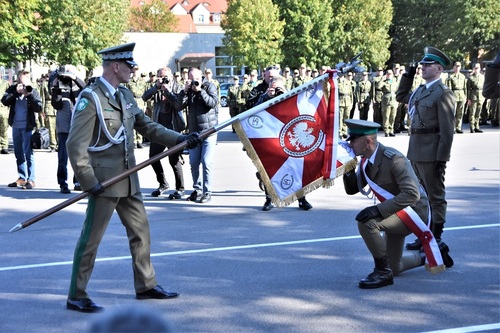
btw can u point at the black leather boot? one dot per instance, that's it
(380, 277)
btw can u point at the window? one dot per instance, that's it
(201, 18)
(216, 18)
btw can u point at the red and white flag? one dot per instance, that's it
(294, 143)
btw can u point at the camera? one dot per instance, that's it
(195, 83)
(164, 80)
(28, 88)
(64, 79)
(278, 91)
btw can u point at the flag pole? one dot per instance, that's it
(179, 147)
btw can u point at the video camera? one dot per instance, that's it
(164, 80)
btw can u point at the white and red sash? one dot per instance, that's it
(434, 261)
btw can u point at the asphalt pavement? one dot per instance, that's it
(240, 269)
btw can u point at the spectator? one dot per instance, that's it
(202, 103)
(64, 92)
(165, 113)
(23, 101)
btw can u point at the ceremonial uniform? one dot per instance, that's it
(475, 99)
(363, 94)
(432, 112)
(402, 207)
(101, 146)
(345, 104)
(457, 82)
(377, 94)
(389, 104)
(137, 86)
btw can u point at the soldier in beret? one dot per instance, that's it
(101, 146)
(431, 108)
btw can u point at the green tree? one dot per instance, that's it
(253, 33)
(153, 17)
(361, 25)
(72, 31)
(306, 32)
(18, 31)
(458, 27)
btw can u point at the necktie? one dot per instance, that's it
(368, 169)
(117, 95)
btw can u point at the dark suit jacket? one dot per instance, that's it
(434, 109)
(392, 172)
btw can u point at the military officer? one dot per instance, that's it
(458, 84)
(389, 87)
(363, 93)
(137, 85)
(491, 87)
(209, 78)
(377, 95)
(100, 146)
(384, 169)
(4, 123)
(432, 112)
(475, 98)
(288, 78)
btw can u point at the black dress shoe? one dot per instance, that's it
(156, 293)
(5, 151)
(195, 196)
(162, 188)
(304, 204)
(444, 249)
(459, 131)
(83, 305)
(477, 130)
(416, 245)
(392, 134)
(377, 279)
(268, 205)
(176, 195)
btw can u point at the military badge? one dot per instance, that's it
(82, 104)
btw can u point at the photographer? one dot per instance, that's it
(166, 114)
(23, 101)
(202, 102)
(64, 91)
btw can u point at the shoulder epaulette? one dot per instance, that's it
(389, 153)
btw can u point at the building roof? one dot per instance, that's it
(184, 10)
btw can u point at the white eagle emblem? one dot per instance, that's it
(300, 137)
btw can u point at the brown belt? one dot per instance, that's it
(424, 130)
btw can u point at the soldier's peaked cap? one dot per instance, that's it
(120, 52)
(358, 127)
(435, 56)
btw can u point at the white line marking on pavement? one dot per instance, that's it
(227, 248)
(477, 328)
